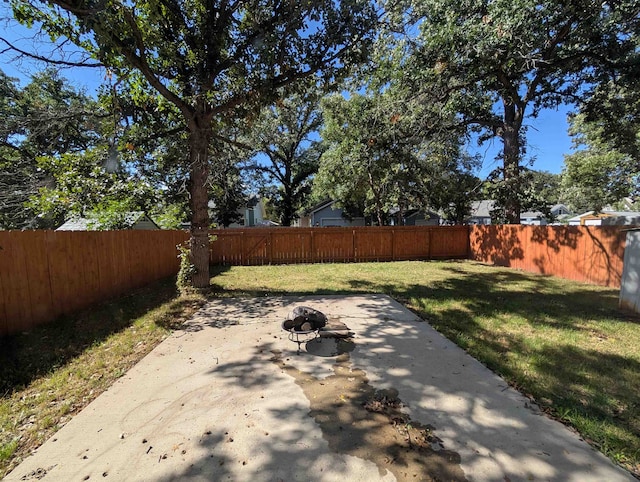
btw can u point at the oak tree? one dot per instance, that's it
(495, 63)
(288, 147)
(214, 61)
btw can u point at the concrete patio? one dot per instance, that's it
(228, 398)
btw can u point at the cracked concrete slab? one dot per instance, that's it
(212, 403)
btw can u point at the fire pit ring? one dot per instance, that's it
(303, 324)
(301, 337)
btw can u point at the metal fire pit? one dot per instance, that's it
(303, 324)
(301, 337)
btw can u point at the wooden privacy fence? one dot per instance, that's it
(592, 254)
(256, 246)
(44, 274)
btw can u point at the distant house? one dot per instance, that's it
(533, 218)
(606, 218)
(327, 214)
(481, 212)
(252, 214)
(559, 210)
(417, 217)
(132, 219)
(537, 218)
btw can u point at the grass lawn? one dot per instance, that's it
(564, 344)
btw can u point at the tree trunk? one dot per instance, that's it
(198, 175)
(511, 141)
(377, 200)
(287, 208)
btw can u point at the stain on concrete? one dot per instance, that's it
(358, 420)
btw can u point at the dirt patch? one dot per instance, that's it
(356, 419)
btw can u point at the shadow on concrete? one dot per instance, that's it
(441, 387)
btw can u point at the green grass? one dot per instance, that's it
(50, 373)
(564, 344)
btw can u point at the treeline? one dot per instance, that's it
(368, 104)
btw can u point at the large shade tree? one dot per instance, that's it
(152, 141)
(286, 138)
(495, 63)
(213, 60)
(45, 117)
(378, 158)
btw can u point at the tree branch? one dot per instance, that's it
(12, 48)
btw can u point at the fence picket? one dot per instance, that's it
(591, 254)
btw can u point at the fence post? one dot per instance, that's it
(353, 246)
(243, 260)
(393, 245)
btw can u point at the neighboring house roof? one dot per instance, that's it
(267, 222)
(531, 214)
(630, 216)
(557, 207)
(482, 209)
(426, 213)
(578, 217)
(136, 219)
(622, 213)
(319, 206)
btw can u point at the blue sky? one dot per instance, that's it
(548, 140)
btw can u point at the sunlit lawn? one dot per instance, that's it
(565, 344)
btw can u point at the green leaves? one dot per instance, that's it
(492, 64)
(80, 185)
(47, 117)
(383, 155)
(598, 174)
(288, 154)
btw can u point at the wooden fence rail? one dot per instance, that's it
(256, 246)
(44, 274)
(592, 254)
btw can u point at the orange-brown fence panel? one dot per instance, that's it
(290, 246)
(373, 244)
(255, 246)
(592, 254)
(45, 274)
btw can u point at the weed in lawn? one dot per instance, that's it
(7, 450)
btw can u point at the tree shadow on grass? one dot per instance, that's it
(592, 390)
(547, 348)
(29, 355)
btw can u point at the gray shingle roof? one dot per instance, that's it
(89, 224)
